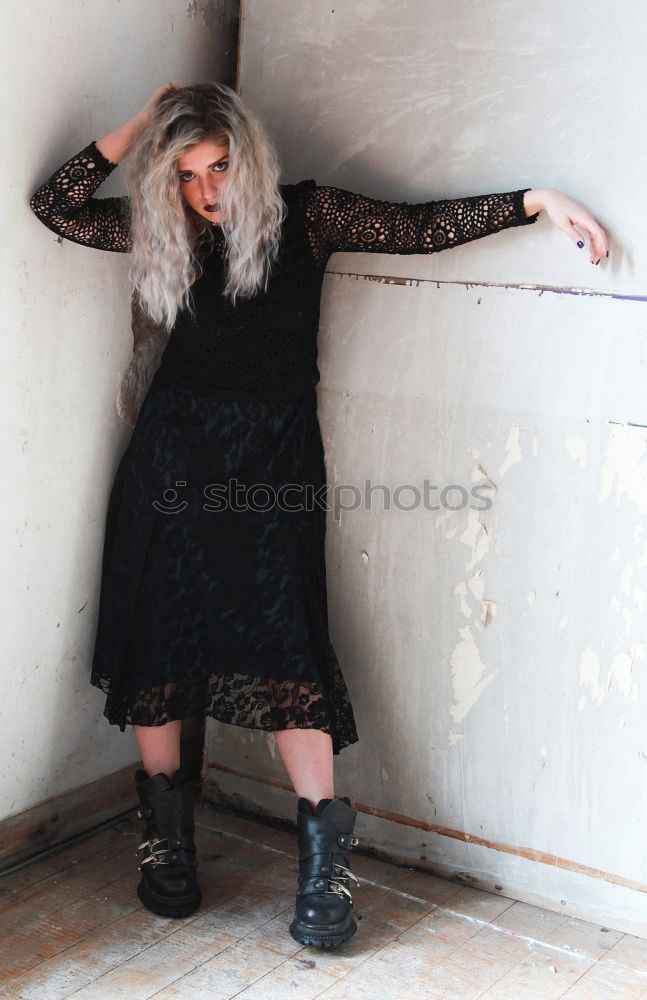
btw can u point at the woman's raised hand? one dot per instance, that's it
(566, 214)
(115, 145)
(154, 99)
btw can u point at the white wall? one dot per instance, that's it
(72, 71)
(496, 658)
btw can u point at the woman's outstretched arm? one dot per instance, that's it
(340, 220)
(64, 203)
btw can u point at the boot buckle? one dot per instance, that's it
(157, 852)
(346, 873)
(336, 882)
(337, 889)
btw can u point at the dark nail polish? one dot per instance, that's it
(580, 244)
(597, 262)
(606, 254)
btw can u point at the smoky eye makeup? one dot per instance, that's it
(218, 167)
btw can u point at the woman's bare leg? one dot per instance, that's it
(159, 747)
(306, 754)
(308, 759)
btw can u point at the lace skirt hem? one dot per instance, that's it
(251, 703)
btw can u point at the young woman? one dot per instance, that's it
(213, 589)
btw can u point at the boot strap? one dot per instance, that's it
(312, 860)
(318, 837)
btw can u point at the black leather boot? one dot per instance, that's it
(324, 905)
(169, 884)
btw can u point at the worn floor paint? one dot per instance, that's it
(73, 927)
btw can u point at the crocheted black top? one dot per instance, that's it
(266, 345)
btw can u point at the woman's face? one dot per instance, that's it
(201, 171)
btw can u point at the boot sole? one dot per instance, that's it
(323, 937)
(182, 907)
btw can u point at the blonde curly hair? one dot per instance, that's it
(169, 238)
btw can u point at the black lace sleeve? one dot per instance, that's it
(64, 204)
(339, 220)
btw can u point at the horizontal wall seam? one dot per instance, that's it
(391, 279)
(442, 831)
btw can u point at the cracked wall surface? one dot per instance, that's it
(89, 67)
(494, 647)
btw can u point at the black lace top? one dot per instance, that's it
(267, 345)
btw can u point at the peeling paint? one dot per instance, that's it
(480, 475)
(513, 449)
(488, 611)
(622, 670)
(590, 674)
(625, 467)
(475, 536)
(511, 286)
(475, 584)
(625, 613)
(448, 515)
(543, 756)
(636, 594)
(530, 597)
(460, 590)
(468, 680)
(628, 587)
(451, 516)
(563, 621)
(576, 447)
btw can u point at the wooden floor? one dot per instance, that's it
(72, 926)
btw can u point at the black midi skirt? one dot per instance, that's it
(213, 585)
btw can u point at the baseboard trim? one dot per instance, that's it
(469, 838)
(65, 816)
(537, 878)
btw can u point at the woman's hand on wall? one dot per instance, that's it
(566, 214)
